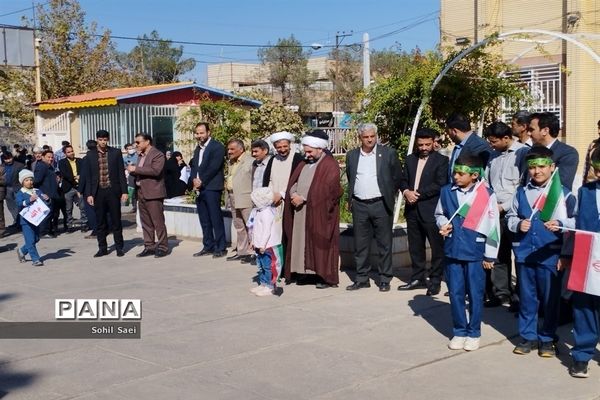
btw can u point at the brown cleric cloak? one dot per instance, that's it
(321, 253)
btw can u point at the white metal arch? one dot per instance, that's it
(572, 38)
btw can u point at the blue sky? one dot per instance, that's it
(256, 22)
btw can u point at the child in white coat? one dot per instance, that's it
(265, 236)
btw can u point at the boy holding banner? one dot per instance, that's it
(539, 210)
(24, 198)
(584, 278)
(467, 216)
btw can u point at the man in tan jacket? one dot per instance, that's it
(150, 184)
(238, 185)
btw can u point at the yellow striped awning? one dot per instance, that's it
(90, 103)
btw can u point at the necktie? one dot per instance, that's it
(455, 153)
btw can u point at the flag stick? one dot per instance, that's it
(472, 195)
(545, 192)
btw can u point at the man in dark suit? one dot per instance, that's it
(70, 168)
(151, 191)
(423, 175)
(207, 179)
(544, 129)
(372, 204)
(44, 178)
(105, 189)
(466, 141)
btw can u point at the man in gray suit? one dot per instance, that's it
(372, 205)
(239, 186)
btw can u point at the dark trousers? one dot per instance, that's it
(499, 280)
(108, 202)
(419, 231)
(90, 214)
(58, 206)
(208, 204)
(371, 219)
(539, 289)
(153, 222)
(586, 325)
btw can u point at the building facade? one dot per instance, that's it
(559, 75)
(124, 112)
(245, 76)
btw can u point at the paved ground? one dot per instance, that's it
(204, 336)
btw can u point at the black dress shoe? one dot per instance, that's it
(101, 253)
(219, 254)
(120, 253)
(203, 252)
(323, 285)
(433, 290)
(235, 257)
(145, 253)
(358, 285)
(416, 284)
(160, 253)
(496, 301)
(384, 287)
(249, 259)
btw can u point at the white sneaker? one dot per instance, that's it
(471, 344)
(264, 291)
(255, 288)
(457, 343)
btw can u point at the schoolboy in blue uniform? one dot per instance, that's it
(537, 246)
(467, 254)
(586, 307)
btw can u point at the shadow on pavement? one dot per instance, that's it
(10, 380)
(58, 254)
(8, 247)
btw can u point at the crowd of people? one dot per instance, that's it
(285, 212)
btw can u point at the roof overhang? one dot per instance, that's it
(79, 104)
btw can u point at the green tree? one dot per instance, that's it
(272, 117)
(156, 60)
(73, 58)
(288, 71)
(346, 76)
(473, 87)
(225, 118)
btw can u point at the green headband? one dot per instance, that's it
(543, 161)
(466, 169)
(596, 165)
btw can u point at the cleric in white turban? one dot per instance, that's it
(316, 139)
(283, 135)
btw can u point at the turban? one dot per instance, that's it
(317, 139)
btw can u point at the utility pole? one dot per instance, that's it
(339, 36)
(366, 61)
(38, 78)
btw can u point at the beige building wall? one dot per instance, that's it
(244, 76)
(581, 80)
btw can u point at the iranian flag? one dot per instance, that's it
(277, 258)
(585, 267)
(551, 203)
(480, 211)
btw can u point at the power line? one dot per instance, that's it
(24, 9)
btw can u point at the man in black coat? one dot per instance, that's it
(373, 173)
(544, 129)
(105, 189)
(70, 168)
(465, 141)
(423, 175)
(207, 179)
(45, 179)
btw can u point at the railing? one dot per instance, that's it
(341, 140)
